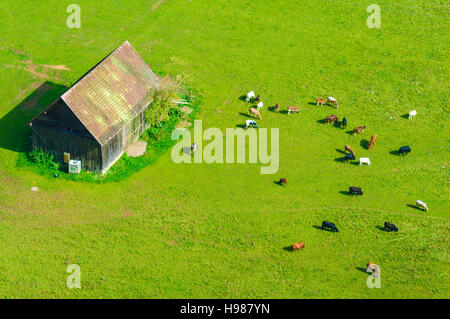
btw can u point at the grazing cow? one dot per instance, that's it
(348, 148)
(331, 118)
(194, 147)
(372, 269)
(404, 150)
(333, 101)
(412, 114)
(344, 122)
(277, 107)
(260, 105)
(251, 123)
(390, 227)
(283, 181)
(250, 96)
(419, 203)
(299, 245)
(328, 225)
(359, 129)
(258, 98)
(321, 101)
(364, 160)
(372, 141)
(293, 109)
(355, 190)
(349, 157)
(254, 112)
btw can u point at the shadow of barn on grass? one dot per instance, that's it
(14, 134)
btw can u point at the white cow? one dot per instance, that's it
(251, 123)
(419, 203)
(412, 114)
(364, 160)
(332, 100)
(250, 95)
(260, 105)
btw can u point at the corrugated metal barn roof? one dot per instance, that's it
(112, 93)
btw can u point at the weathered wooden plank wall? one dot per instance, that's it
(57, 141)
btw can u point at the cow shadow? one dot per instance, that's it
(340, 151)
(246, 115)
(381, 228)
(14, 133)
(414, 206)
(361, 269)
(395, 153)
(349, 132)
(273, 109)
(187, 151)
(278, 183)
(405, 116)
(345, 193)
(288, 248)
(313, 103)
(320, 228)
(241, 126)
(283, 112)
(243, 98)
(365, 144)
(323, 121)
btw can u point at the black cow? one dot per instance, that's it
(404, 150)
(331, 226)
(355, 190)
(349, 157)
(344, 122)
(390, 227)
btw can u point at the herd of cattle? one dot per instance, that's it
(348, 150)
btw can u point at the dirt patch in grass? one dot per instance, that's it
(42, 71)
(56, 67)
(127, 214)
(156, 5)
(184, 124)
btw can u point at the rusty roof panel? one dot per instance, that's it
(112, 93)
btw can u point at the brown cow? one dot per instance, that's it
(331, 118)
(277, 107)
(349, 149)
(372, 141)
(255, 112)
(359, 129)
(321, 101)
(299, 245)
(283, 181)
(293, 109)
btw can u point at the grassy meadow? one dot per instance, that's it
(222, 230)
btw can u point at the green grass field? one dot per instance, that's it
(220, 230)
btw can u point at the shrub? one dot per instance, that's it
(43, 159)
(161, 97)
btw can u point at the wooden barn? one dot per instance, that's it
(101, 115)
